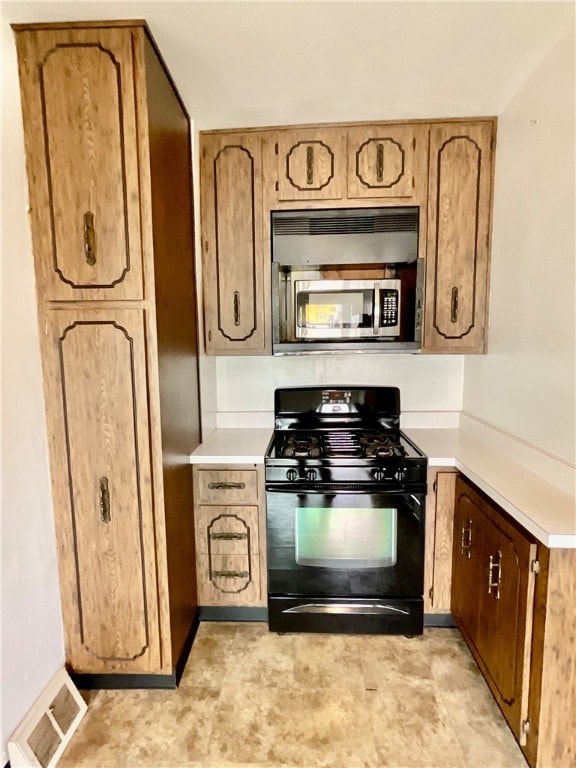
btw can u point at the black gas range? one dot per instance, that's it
(345, 513)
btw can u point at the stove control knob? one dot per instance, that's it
(400, 474)
(379, 474)
(311, 475)
(292, 475)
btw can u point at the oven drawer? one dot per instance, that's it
(229, 579)
(227, 530)
(226, 486)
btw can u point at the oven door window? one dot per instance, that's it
(345, 537)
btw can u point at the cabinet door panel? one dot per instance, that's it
(229, 580)
(311, 164)
(101, 466)
(232, 240)
(80, 126)
(227, 530)
(503, 640)
(460, 182)
(467, 561)
(380, 161)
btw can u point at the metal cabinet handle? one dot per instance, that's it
(494, 574)
(236, 308)
(89, 239)
(104, 501)
(454, 306)
(466, 540)
(228, 536)
(226, 486)
(230, 574)
(309, 165)
(380, 162)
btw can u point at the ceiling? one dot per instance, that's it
(270, 62)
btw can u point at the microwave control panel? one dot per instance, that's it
(389, 308)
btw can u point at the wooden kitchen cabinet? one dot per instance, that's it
(109, 168)
(312, 164)
(492, 598)
(381, 160)
(438, 545)
(459, 220)
(234, 273)
(86, 233)
(230, 536)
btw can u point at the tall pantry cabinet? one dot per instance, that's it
(109, 172)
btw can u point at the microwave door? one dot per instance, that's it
(334, 309)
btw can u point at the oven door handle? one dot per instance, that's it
(352, 489)
(347, 608)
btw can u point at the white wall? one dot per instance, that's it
(32, 639)
(526, 384)
(246, 384)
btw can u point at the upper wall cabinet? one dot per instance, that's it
(232, 243)
(444, 168)
(459, 212)
(381, 160)
(312, 164)
(79, 106)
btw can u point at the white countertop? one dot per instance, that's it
(541, 508)
(233, 446)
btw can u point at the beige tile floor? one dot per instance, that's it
(251, 698)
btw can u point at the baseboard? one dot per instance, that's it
(232, 613)
(183, 658)
(439, 620)
(88, 682)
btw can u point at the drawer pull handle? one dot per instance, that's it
(454, 306)
(89, 239)
(494, 579)
(230, 574)
(236, 308)
(104, 501)
(226, 486)
(228, 536)
(309, 165)
(380, 162)
(466, 540)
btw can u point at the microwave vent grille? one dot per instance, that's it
(384, 221)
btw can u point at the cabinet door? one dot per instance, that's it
(80, 130)
(467, 560)
(228, 563)
(506, 592)
(380, 161)
(459, 209)
(312, 164)
(100, 455)
(231, 207)
(439, 536)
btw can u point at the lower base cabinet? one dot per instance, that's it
(518, 622)
(229, 513)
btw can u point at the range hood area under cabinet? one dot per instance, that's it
(443, 168)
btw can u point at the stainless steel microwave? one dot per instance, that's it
(346, 309)
(346, 280)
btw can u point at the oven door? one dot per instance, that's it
(345, 560)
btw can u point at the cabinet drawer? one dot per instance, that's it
(225, 486)
(227, 530)
(228, 579)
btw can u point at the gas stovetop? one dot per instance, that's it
(342, 434)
